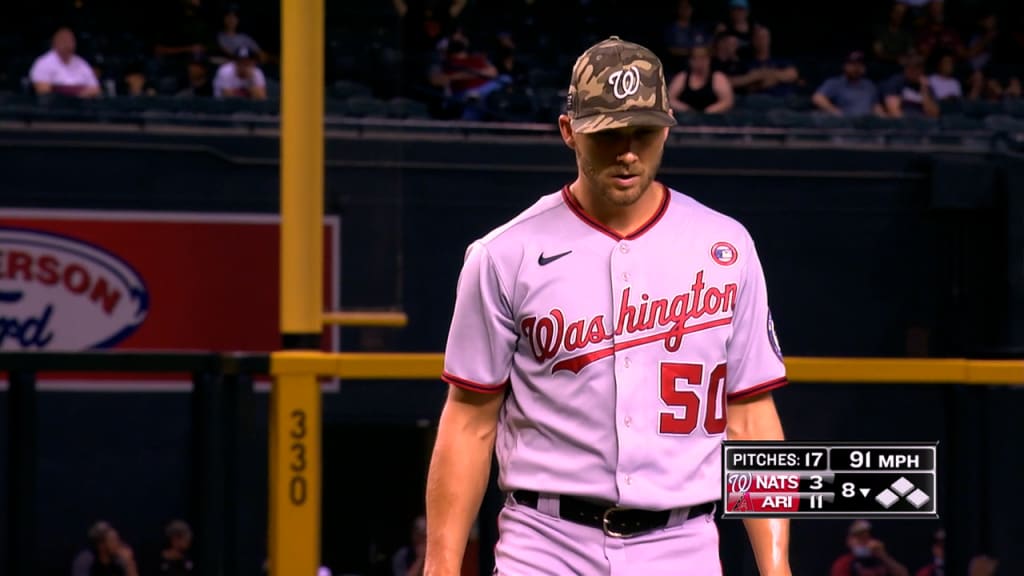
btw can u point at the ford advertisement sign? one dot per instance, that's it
(61, 293)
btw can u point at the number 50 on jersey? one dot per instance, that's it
(822, 480)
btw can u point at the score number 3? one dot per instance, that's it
(689, 401)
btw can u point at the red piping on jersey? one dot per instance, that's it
(759, 389)
(472, 386)
(577, 209)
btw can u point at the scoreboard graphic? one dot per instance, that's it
(829, 480)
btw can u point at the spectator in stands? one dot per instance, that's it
(424, 23)
(240, 78)
(766, 74)
(892, 40)
(850, 94)
(995, 83)
(174, 558)
(937, 566)
(740, 25)
(944, 84)
(199, 85)
(909, 93)
(700, 89)
(408, 560)
(725, 57)
(681, 36)
(61, 71)
(995, 59)
(982, 44)
(134, 81)
(867, 556)
(106, 555)
(934, 34)
(465, 77)
(184, 33)
(511, 71)
(229, 39)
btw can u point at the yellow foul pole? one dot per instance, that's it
(295, 429)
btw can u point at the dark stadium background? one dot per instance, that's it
(875, 246)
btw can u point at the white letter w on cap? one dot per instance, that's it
(625, 83)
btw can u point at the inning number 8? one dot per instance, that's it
(688, 400)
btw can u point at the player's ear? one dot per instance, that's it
(565, 127)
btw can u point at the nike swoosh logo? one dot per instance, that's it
(544, 261)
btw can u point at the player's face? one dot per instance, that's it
(619, 165)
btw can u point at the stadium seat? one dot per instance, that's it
(545, 78)
(960, 122)
(830, 122)
(407, 108)
(799, 102)
(740, 117)
(785, 118)
(1004, 123)
(335, 107)
(344, 89)
(951, 106)
(760, 102)
(981, 108)
(366, 107)
(510, 106)
(548, 104)
(1014, 107)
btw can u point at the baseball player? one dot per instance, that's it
(604, 342)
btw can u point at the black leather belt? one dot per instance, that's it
(614, 521)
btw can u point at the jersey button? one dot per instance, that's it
(629, 480)
(628, 421)
(627, 362)
(625, 276)
(624, 248)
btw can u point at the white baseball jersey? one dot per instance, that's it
(619, 352)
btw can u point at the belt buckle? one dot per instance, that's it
(606, 520)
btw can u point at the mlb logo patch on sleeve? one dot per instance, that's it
(724, 253)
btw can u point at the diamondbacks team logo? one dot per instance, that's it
(739, 492)
(625, 82)
(724, 253)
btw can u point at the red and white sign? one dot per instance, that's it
(73, 280)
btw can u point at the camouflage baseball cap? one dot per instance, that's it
(617, 84)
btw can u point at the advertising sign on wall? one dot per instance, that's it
(75, 280)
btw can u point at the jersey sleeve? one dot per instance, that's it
(482, 336)
(755, 363)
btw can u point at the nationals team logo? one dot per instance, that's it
(724, 253)
(739, 488)
(625, 82)
(553, 332)
(59, 293)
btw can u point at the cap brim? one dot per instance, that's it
(622, 119)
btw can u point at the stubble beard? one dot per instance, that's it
(613, 196)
